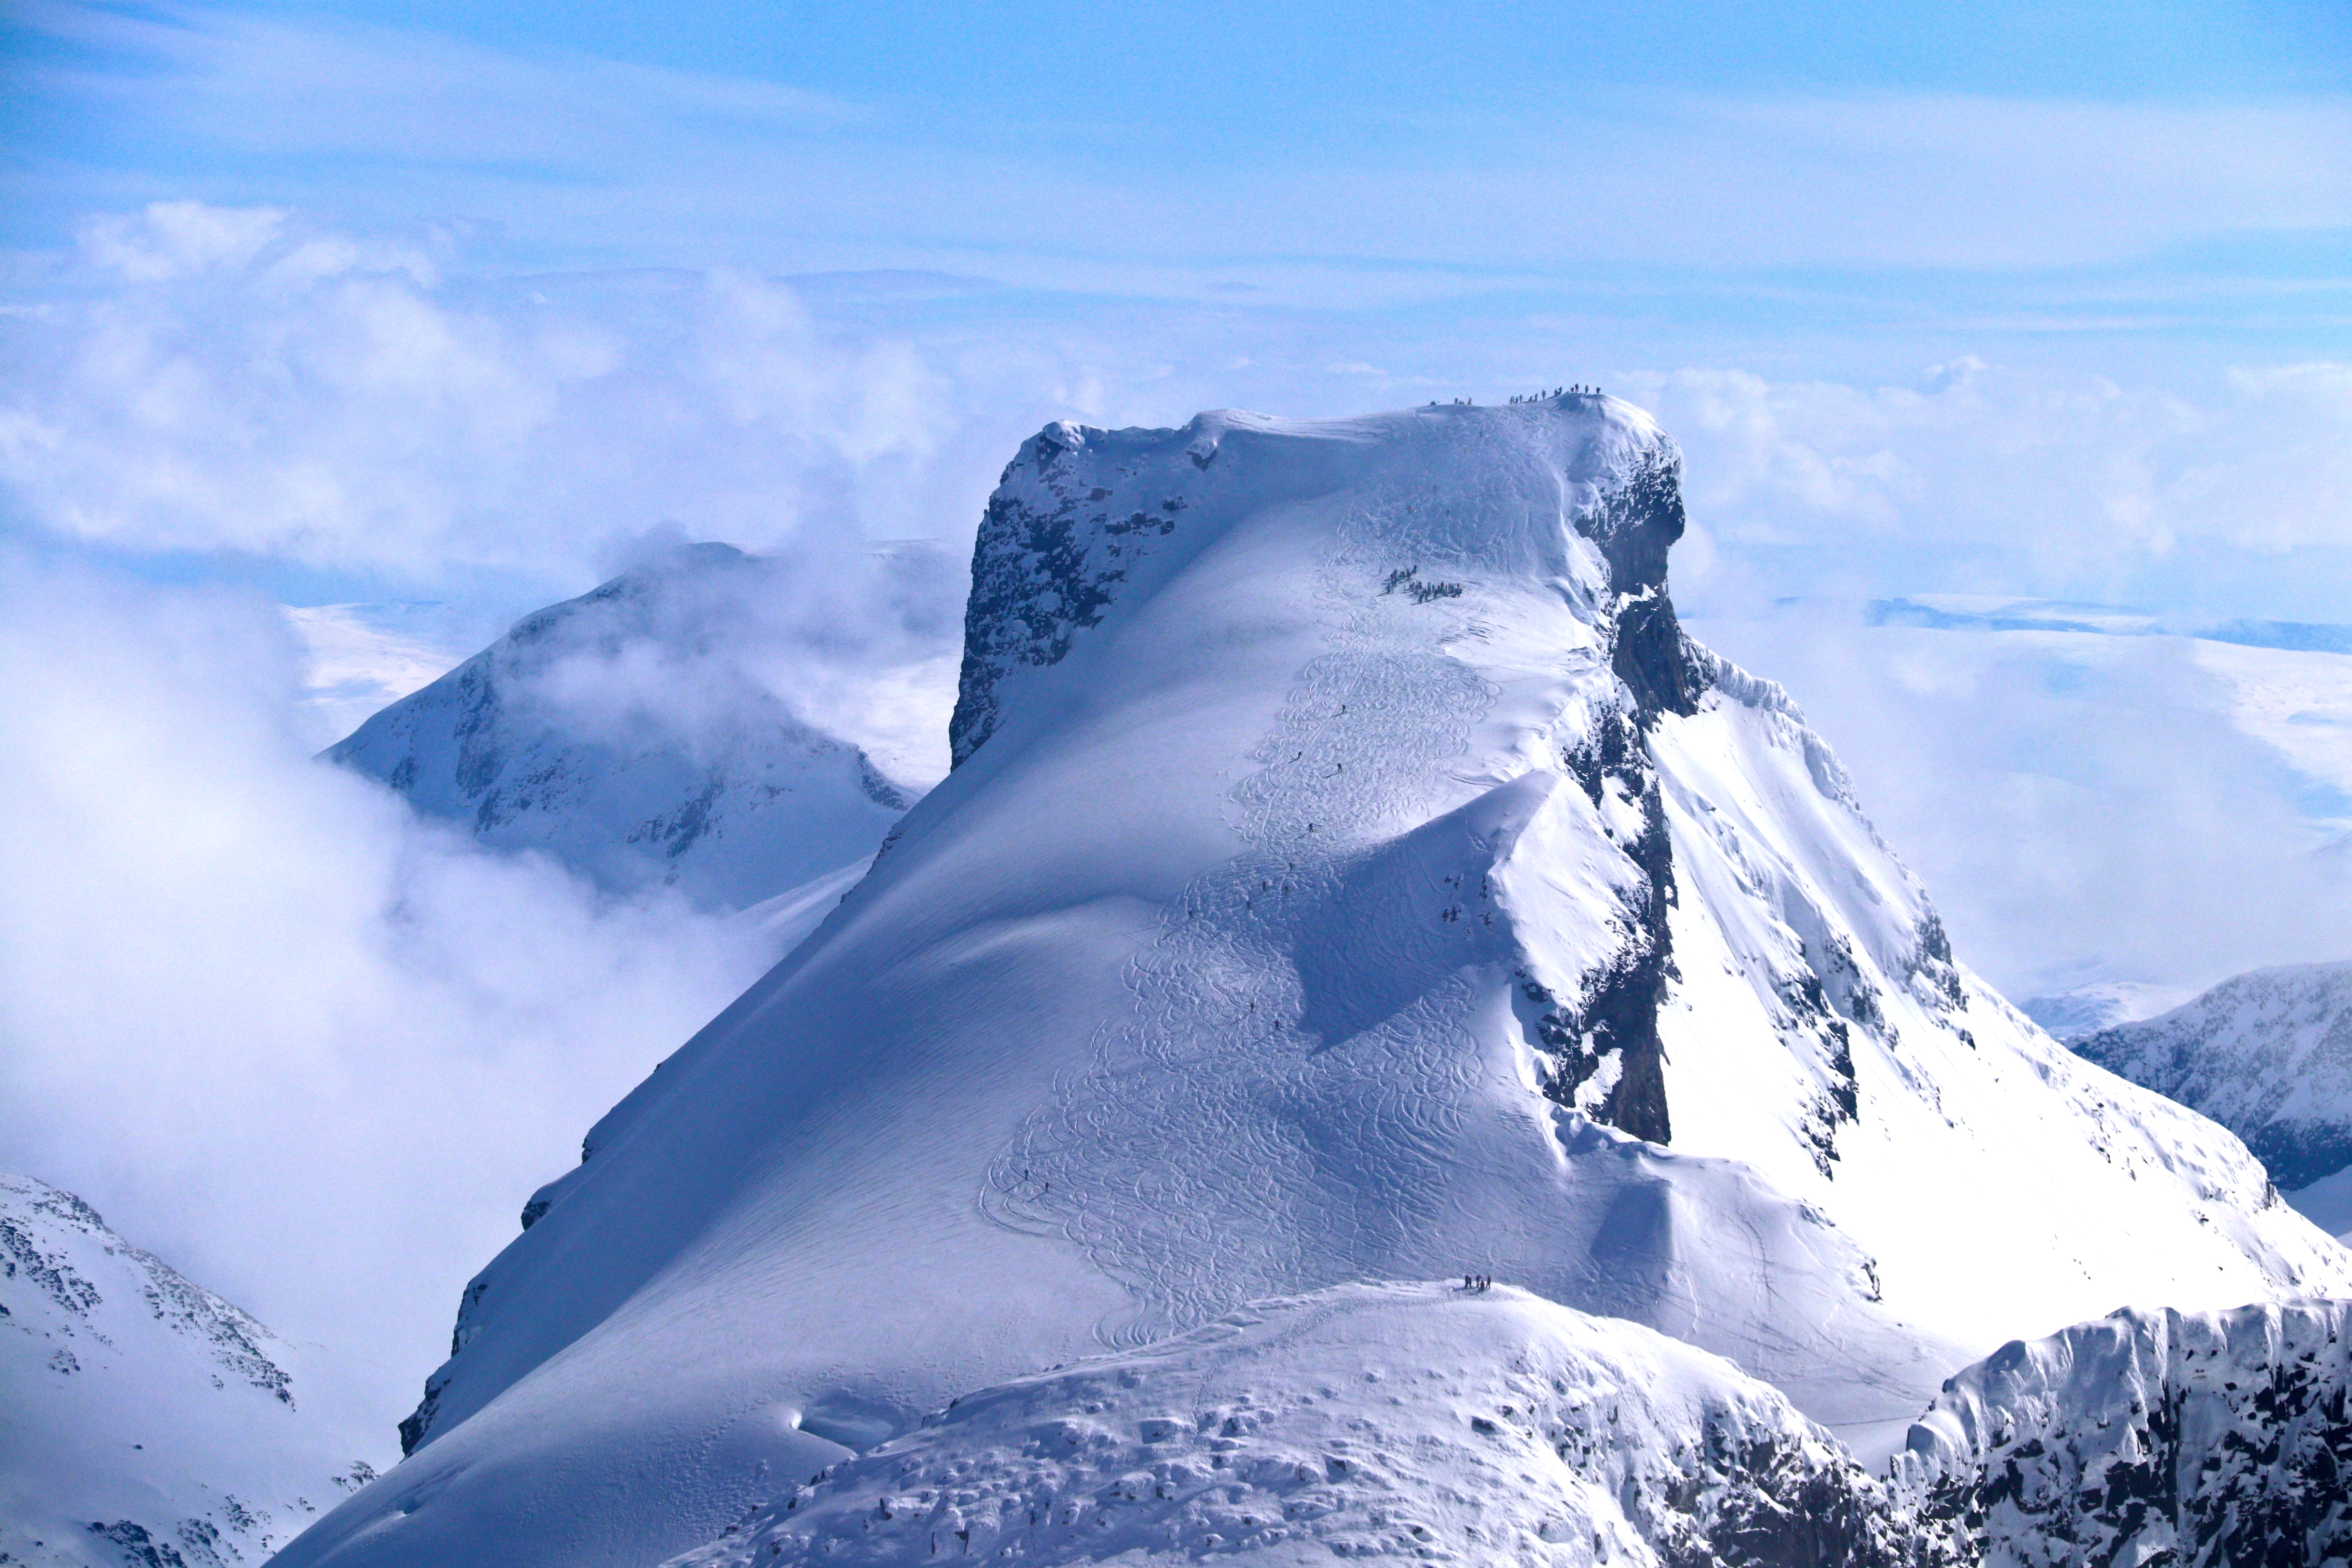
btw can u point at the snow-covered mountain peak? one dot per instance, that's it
(43, 1229)
(147, 1419)
(2267, 1054)
(1081, 515)
(1352, 872)
(641, 733)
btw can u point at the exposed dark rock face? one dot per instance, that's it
(2155, 1438)
(1604, 1049)
(231, 1337)
(417, 1426)
(1051, 552)
(138, 1546)
(1768, 1503)
(1634, 524)
(1605, 1055)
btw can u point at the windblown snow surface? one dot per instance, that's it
(1399, 1420)
(1433, 1423)
(2267, 1055)
(1351, 871)
(143, 1420)
(615, 732)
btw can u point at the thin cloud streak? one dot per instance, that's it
(573, 151)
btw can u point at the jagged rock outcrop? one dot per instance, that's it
(2186, 1439)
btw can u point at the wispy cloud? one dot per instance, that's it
(597, 159)
(314, 1051)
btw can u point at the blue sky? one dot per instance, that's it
(1706, 170)
(2023, 298)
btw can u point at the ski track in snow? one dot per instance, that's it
(1219, 1040)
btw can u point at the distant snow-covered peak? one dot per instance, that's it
(147, 1420)
(2267, 1054)
(669, 728)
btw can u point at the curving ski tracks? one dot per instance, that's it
(1214, 1151)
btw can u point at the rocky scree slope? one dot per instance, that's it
(625, 734)
(143, 1420)
(1349, 872)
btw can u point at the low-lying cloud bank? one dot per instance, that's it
(314, 1051)
(2082, 807)
(246, 381)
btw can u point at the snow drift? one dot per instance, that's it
(1351, 871)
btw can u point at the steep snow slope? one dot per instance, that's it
(1351, 871)
(2155, 1437)
(617, 733)
(1419, 1421)
(142, 1419)
(2268, 1055)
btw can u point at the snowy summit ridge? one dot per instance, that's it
(1349, 872)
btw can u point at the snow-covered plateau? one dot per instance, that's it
(142, 1419)
(1351, 871)
(619, 733)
